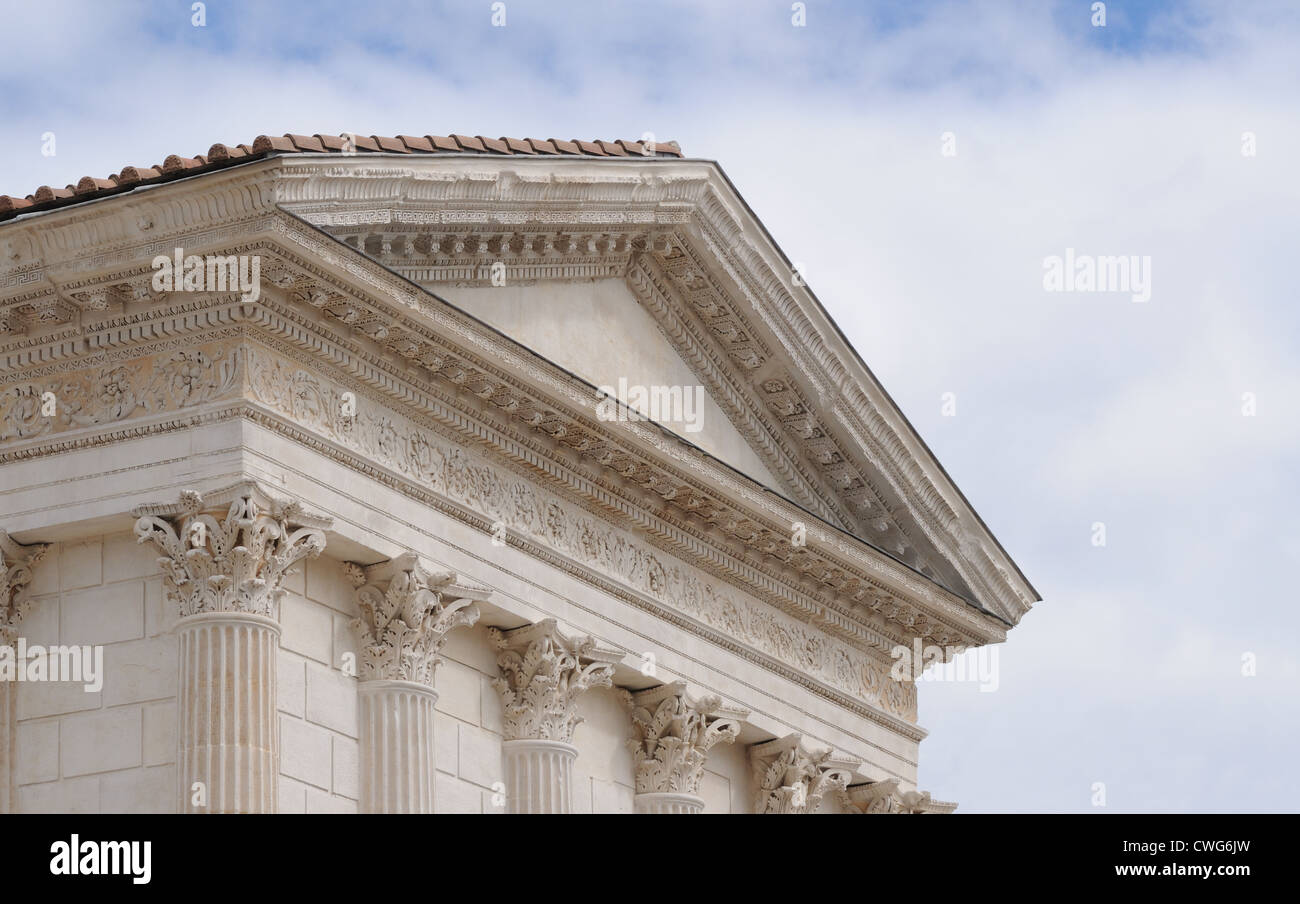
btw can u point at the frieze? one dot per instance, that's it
(112, 391)
(421, 455)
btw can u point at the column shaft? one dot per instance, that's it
(656, 803)
(539, 776)
(397, 753)
(227, 713)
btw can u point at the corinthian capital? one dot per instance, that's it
(543, 674)
(884, 797)
(238, 563)
(793, 779)
(16, 563)
(406, 612)
(672, 734)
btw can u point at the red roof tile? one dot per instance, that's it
(392, 145)
(306, 143)
(470, 143)
(417, 143)
(565, 147)
(223, 155)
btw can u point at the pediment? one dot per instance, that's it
(597, 330)
(805, 417)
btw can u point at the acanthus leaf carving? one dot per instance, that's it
(672, 734)
(406, 613)
(543, 673)
(791, 778)
(16, 564)
(238, 563)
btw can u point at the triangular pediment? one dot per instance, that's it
(650, 270)
(597, 330)
(527, 244)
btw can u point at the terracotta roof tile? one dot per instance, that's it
(133, 174)
(417, 143)
(224, 155)
(306, 143)
(222, 152)
(391, 145)
(331, 142)
(175, 164)
(265, 143)
(45, 193)
(90, 184)
(470, 143)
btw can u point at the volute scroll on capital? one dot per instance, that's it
(16, 564)
(543, 673)
(237, 563)
(406, 612)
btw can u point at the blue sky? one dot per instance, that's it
(1071, 408)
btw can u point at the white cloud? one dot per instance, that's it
(1071, 408)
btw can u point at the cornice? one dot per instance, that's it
(563, 430)
(474, 208)
(49, 279)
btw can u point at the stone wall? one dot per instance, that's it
(114, 751)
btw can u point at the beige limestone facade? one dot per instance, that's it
(366, 543)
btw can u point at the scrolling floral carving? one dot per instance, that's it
(406, 614)
(528, 510)
(237, 564)
(672, 735)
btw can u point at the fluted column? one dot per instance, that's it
(672, 734)
(16, 563)
(224, 577)
(406, 613)
(544, 672)
(791, 778)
